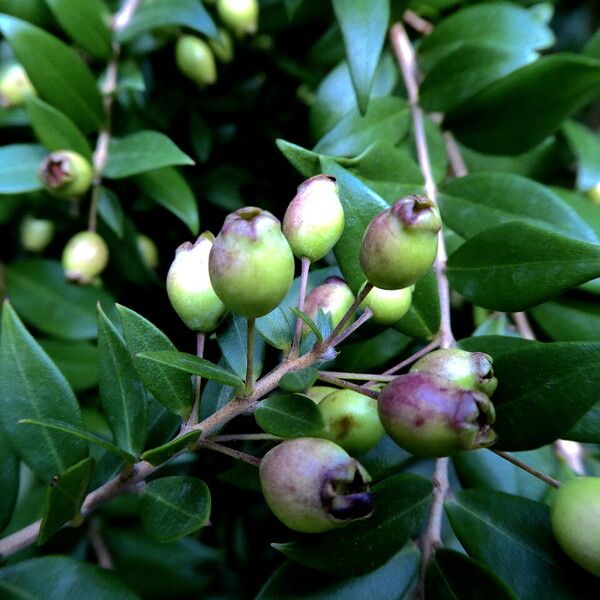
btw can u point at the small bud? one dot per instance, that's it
(470, 370)
(251, 264)
(241, 16)
(36, 234)
(189, 288)
(15, 86)
(430, 416)
(148, 251)
(66, 174)
(388, 306)
(317, 392)
(400, 244)
(351, 420)
(222, 46)
(84, 257)
(195, 60)
(314, 220)
(333, 297)
(312, 485)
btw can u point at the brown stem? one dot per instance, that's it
(417, 23)
(99, 545)
(523, 325)
(245, 437)
(457, 163)
(359, 376)
(237, 454)
(367, 314)
(250, 356)
(304, 270)
(349, 386)
(515, 461)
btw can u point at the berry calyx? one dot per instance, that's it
(66, 174)
(312, 485)
(15, 86)
(251, 264)
(241, 16)
(387, 306)
(84, 257)
(195, 60)
(36, 234)
(333, 297)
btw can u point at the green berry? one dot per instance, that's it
(351, 420)
(430, 416)
(222, 46)
(15, 86)
(84, 257)
(147, 250)
(189, 288)
(312, 485)
(241, 16)
(333, 297)
(195, 60)
(251, 264)
(36, 234)
(317, 392)
(575, 516)
(314, 220)
(471, 370)
(400, 244)
(66, 174)
(388, 306)
(594, 193)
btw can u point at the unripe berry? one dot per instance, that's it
(66, 174)
(400, 244)
(318, 392)
(594, 193)
(189, 288)
(471, 370)
(15, 86)
(222, 46)
(84, 257)
(195, 60)
(147, 250)
(314, 220)
(36, 234)
(351, 420)
(251, 264)
(575, 516)
(333, 297)
(430, 416)
(312, 485)
(388, 306)
(241, 16)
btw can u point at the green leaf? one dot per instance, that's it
(401, 503)
(585, 145)
(55, 130)
(501, 25)
(391, 581)
(569, 320)
(121, 393)
(58, 578)
(19, 164)
(110, 211)
(233, 344)
(513, 114)
(311, 324)
(31, 386)
(385, 119)
(78, 361)
(81, 433)
(56, 71)
(364, 25)
(141, 152)
(39, 292)
(360, 206)
(154, 15)
(161, 454)
(454, 576)
(479, 201)
(289, 416)
(423, 317)
(299, 381)
(169, 386)
(9, 479)
(173, 507)
(193, 365)
(305, 161)
(64, 497)
(514, 266)
(169, 189)
(513, 537)
(86, 22)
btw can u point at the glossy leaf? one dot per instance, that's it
(169, 189)
(111, 212)
(173, 507)
(56, 71)
(55, 130)
(289, 416)
(299, 381)
(141, 152)
(9, 479)
(64, 497)
(423, 317)
(31, 386)
(233, 344)
(169, 386)
(161, 454)
(364, 25)
(121, 393)
(19, 164)
(514, 266)
(585, 145)
(569, 320)
(78, 361)
(402, 502)
(193, 365)
(305, 161)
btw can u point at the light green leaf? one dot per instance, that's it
(19, 164)
(159, 455)
(585, 145)
(289, 416)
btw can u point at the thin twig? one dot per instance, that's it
(515, 461)
(304, 270)
(250, 356)
(200, 339)
(347, 385)
(367, 314)
(245, 437)
(523, 326)
(418, 23)
(359, 376)
(99, 546)
(237, 454)
(457, 163)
